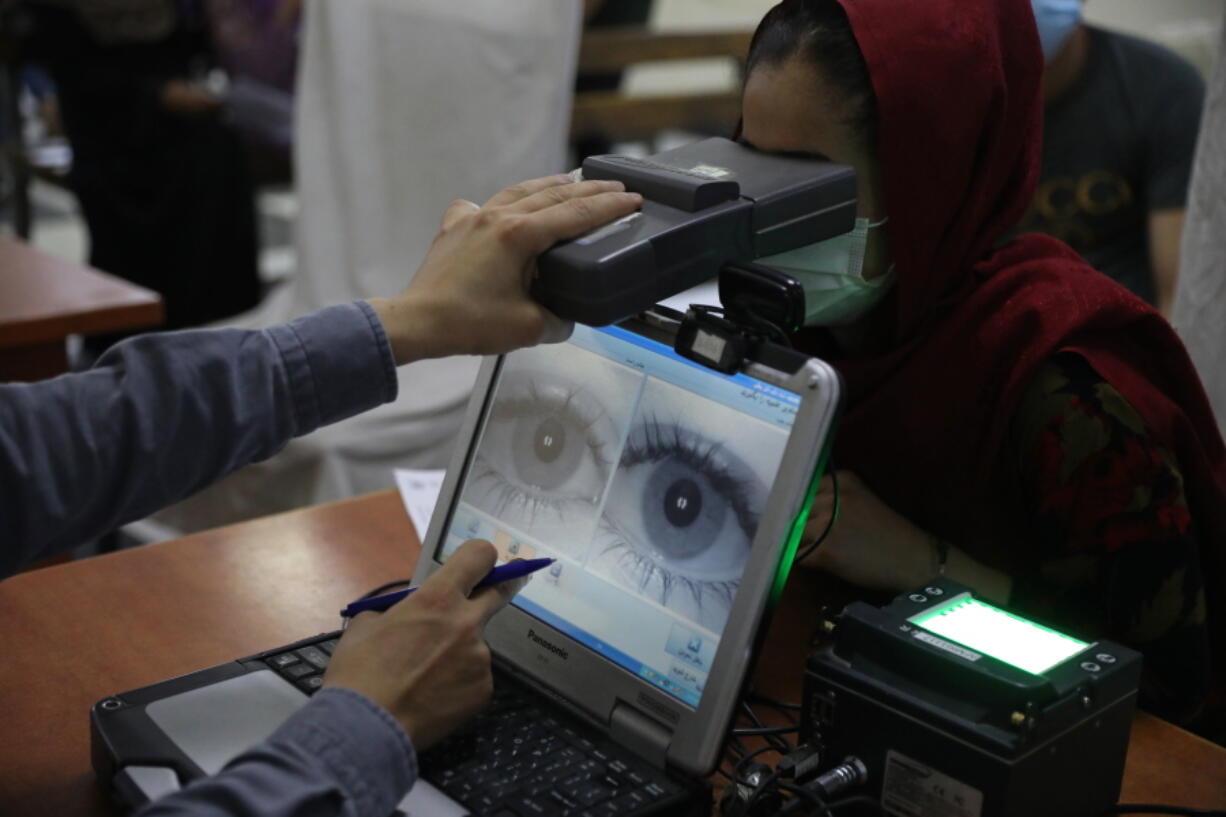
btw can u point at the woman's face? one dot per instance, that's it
(789, 108)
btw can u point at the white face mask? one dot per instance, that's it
(832, 274)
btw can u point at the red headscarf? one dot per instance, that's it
(959, 103)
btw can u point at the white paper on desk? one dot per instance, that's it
(419, 493)
(705, 293)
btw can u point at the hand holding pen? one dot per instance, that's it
(504, 573)
(425, 661)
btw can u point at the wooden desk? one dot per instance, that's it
(44, 299)
(81, 631)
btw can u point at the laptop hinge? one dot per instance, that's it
(640, 734)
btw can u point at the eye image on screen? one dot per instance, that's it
(550, 443)
(684, 503)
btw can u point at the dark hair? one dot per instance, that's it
(819, 31)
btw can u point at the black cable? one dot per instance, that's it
(755, 720)
(767, 730)
(778, 742)
(736, 753)
(742, 765)
(834, 514)
(758, 697)
(784, 339)
(821, 806)
(799, 794)
(1122, 808)
(744, 762)
(1157, 808)
(773, 332)
(784, 708)
(861, 799)
(753, 716)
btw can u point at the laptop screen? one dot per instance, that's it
(644, 474)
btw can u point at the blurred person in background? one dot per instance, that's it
(257, 38)
(1121, 115)
(162, 181)
(388, 124)
(256, 42)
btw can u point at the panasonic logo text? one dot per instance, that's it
(553, 648)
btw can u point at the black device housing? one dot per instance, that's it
(705, 205)
(948, 732)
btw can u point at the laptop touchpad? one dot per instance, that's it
(214, 724)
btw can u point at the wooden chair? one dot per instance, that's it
(614, 116)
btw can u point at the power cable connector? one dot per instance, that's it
(800, 764)
(851, 772)
(822, 789)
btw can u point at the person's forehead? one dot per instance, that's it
(785, 110)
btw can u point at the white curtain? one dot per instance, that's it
(402, 107)
(1200, 298)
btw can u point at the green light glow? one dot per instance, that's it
(999, 634)
(792, 546)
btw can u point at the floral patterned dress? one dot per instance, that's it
(1118, 548)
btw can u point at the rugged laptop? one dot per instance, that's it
(672, 497)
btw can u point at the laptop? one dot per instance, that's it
(672, 498)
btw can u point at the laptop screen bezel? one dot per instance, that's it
(590, 683)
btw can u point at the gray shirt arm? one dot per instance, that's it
(163, 415)
(341, 754)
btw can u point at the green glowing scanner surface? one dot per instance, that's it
(999, 634)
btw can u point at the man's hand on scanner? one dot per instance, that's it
(470, 295)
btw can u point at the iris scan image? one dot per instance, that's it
(684, 504)
(550, 444)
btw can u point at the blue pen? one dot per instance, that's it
(503, 573)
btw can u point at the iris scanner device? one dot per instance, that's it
(956, 708)
(705, 206)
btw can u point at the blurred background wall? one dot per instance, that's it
(1143, 16)
(1187, 26)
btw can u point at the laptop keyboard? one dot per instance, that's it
(303, 663)
(516, 758)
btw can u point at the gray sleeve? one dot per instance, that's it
(163, 415)
(341, 754)
(1173, 123)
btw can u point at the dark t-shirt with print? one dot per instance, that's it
(1117, 146)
